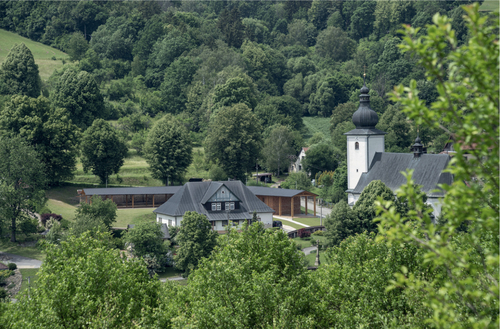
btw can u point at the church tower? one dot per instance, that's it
(362, 142)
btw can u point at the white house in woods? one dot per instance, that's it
(367, 161)
(221, 202)
(297, 165)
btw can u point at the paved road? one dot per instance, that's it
(20, 261)
(309, 250)
(175, 278)
(319, 209)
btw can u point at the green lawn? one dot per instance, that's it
(288, 223)
(28, 272)
(42, 53)
(170, 273)
(311, 258)
(304, 243)
(14, 248)
(316, 124)
(489, 5)
(133, 216)
(67, 211)
(308, 221)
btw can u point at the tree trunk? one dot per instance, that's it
(13, 232)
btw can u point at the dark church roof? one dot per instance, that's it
(387, 167)
(192, 196)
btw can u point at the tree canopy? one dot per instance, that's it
(102, 150)
(168, 150)
(19, 73)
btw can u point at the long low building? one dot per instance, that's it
(284, 202)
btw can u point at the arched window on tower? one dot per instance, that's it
(356, 146)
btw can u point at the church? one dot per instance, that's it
(367, 161)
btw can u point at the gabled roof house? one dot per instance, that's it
(221, 202)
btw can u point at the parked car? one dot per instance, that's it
(277, 223)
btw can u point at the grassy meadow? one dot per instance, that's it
(43, 54)
(489, 5)
(316, 124)
(28, 272)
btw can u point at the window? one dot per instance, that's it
(227, 206)
(224, 223)
(356, 146)
(218, 206)
(235, 223)
(231, 206)
(214, 207)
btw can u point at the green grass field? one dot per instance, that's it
(311, 258)
(42, 53)
(489, 5)
(316, 124)
(14, 248)
(306, 242)
(28, 272)
(308, 221)
(288, 223)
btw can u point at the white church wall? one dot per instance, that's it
(356, 159)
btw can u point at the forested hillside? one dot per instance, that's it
(284, 60)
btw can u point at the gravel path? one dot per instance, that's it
(20, 261)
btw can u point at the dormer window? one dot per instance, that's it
(214, 207)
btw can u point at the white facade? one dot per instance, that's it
(297, 165)
(219, 225)
(360, 152)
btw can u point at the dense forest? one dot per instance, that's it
(135, 61)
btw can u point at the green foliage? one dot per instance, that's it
(297, 181)
(85, 284)
(48, 129)
(178, 77)
(22, 182)
(279, 146)
(196, 241)
(229, 23)
(466, 295)
(234, 140)
(261, 268)
(104, 210)
(365, 206)
(321, 157)
(351, 287)
(12, 266)
(102, 150)
(398, 138)
(236, 90)
(341, 223)
(147, 242)
(280, 110)
(335, 44)
(216, 173)
(78, 93)
(19, 73)
(77, 46)
(168, 150)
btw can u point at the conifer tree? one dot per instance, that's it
(20, 73)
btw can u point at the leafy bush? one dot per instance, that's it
(4, 274)
(45, 217)
(319, 233)
(12, 266)
(3, 293)
(303, 233)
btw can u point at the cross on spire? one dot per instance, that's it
(364, 74)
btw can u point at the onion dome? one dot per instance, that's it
(364, 117)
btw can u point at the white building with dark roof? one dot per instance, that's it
(367, 160)
(220, 202)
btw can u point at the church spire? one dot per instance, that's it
(364, 117)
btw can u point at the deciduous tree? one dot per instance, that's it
(168, 150)
(105, 210)
(196, 240)
(22, 181)
(102, 150)
(234, 139)
(281, 143)
(48, 129)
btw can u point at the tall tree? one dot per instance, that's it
(321, 157)
(262, 276)
(234, 140)
(48, 129)
(468, 100)
(341, 223)
(22, 183)
(94, 287)
(335, 44)
(278, 146)
(196, 241)
(20, 73)
(168, 150)
(79, 94)
(105, 210)
(233, 30)
(102, 150)
(281, 110)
